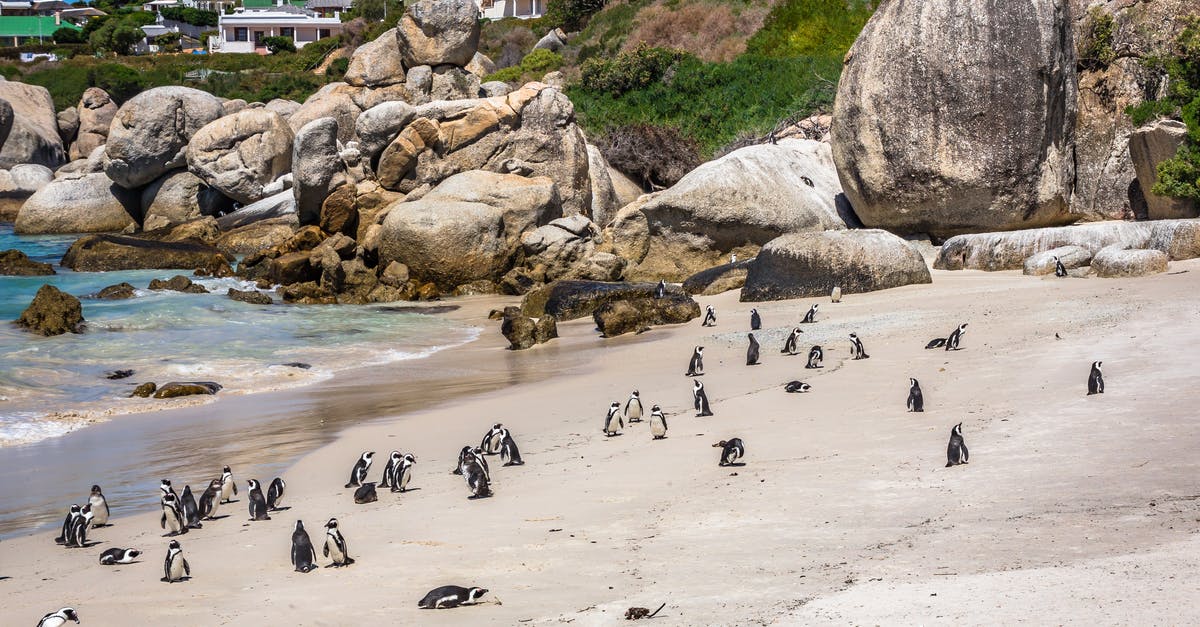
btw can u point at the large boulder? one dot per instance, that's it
(96, 112)
(178, 196)
(1149, 146)
(1071, 257)
(16, 263)
(638, 314)
(919, 141)
(239, 154)
(102, 253)
(436, 32)
(256, 236)
(52, 312)
(718, 279)
(605, 201)
(89, 203)
(1117, 262)
(33, 126)
(523, 332)
(570, 299)
(317, 168)
(149, 133)
(6, 120)
(801, 265)
(1179, 239)
(68, 125)
(18, 184)
(1009, 250)
(279, 205)
(344, 102)
(377, 63)
(566, 248)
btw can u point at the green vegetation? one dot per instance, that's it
(277, 44)
(628, 71)
(118, 32)
(66, 35)
(570, 15)
(811, 28)
(188, 15)
(1095, 50)
(532, 67)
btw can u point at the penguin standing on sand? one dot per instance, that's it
(164, 486)
(789, 346)
(258, 503)
(755, 320)
(1095, 380)
(796, 387)
(210, 500)
(175, 566)
(358, 473)
(660, 290)
(99, 507)
(633, 407)
(955, 337)
(1059, 269)
(403, 472)
(72, 514)
(228, 485)
(366, 494)
(468, 456)
(856, 348)
(275, 494)
(815, 356)
(477, 481)
(614, 421)
(79, 528)
(112, 557)
(335, 545)
(304, 555)
(956, 451)
(696, 365)
(700, 399)
(916, 402)
(658, 423)
(450, 596)
(390, 468)
(491, 440)
(811, 316)
(172, 515)
(835, 296)
(752, 351)
(710, 317)
(731, 451)
(509, 450)
(191, 513)
(59, 618)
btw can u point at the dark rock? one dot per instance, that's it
(189, 388)
(722, 278)
(52, 312)
(308, 293)
(546, 329)
(569, 300)
(120, 291)
(297, 364)
(292, 268)
(16, 263)
(118, 374)
(519, 330)
(101, 253)
(177, 283)
(339, 212)
(428, 291)
(617, 317)
(145, 390)
(253, 297)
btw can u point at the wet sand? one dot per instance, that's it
(1074, 509)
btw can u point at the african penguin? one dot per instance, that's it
(477, 481)
(856, 348)
(731, 451)
(696, 365)
(796, 387)
(304, 556)
(164, 486)
(59, 618)
(1059, 269)
(614, 421)
(658, 423)
(210, 500)
(99, 507)
(365, 494)
(811, 316)
(815, 356)
(228, 485)
(956, 451)
(755, 320)
(358, 473)
(390, 468)
(257, 502)
(700, 400)
(172, 518)
(72, 514)
(789, 346)
(191, 513)
(710, 317)
(403, 472)
(955, 337)
(835, 296)
(916, 402)
(509, 450)
(491, 440)
(752, 351)
(335, 545)
(660, 290)
(732, 257)
(175, 566)
(450, 596)
(633, 407)
(275, 494)
(1096, 380)
(936, 342)
(119, 556)
(477, 457)
(77, 537)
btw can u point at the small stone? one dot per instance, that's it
(145, 390)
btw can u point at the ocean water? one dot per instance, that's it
(51, 386)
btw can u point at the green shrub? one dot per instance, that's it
(1178, 176)
(1095, 50)
(66, 35)
(189, 15)
(337, 68)
(571, 15)
(121, 82)
(9, 71)
(796, 28)
(535, 65)
(636, 69)
(276, 44)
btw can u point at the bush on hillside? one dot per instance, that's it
(571, 15)
(276, 44)
(1095, 50)
(806, 28)
(535, 65)
(654, 156)
(710, 31)
(636, 69)
(189, 15)
(66, 35)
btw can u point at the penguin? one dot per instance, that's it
(710, 317)
(752, 351)
(815, 356)
(916, 402)
(796, 387)
(191, 514)
(731, 451)
(614, 421)
(955, 337)
(509, 450)
(468, 456)
(59, 618)
(164, 486)
(789, 346)
(1095, 380)
(403, 472)
(335, 545)
(66, 526)
(1059, 269)
(835, 296)
(732, 257)
(755, 320)
(633, 407)
(390, 468)
(658, 423)
(477, 481)
(176, 565)
(956, 452)
(228, 485)
(210, 500)
(365, 494)
(77, 537)
(478, 458)
(358, 474)
(696, 365)
(172, 515)
(856, 348)
(112, 557)
(257, 503)
(491, 440)
(450, 596)
(464, 457)
(304, 555)
(275, 494)
(99, 507)
(811, 316)
(700, 400)
(660, 290)
(936, 342)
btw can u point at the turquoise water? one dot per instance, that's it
(50, 386)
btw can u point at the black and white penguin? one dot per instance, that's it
(1095, 379)
(956, 452)
(304, 556)
(658, 423)
(390, 468)
(228, 485)
(491, 440)
(164, 486)
(916, 402)
(614, 420)
(210, 500)
(936, 342)
(468, 456)
(796, 387)
(464, 458)
(696, 365)
(366, 494)
(509, 450)
(275, 494)
(72, 514)
(99, 507)
(710, 317)
(752, 351)
(731, 451)
(811, 316)
(191, 513)
(816, 355)
(402, 474)
(660, 290)
(59, 618)
(633, 407)
(335, 545)
(1059, 269)
(172, 518)
(700, 400)
(789, 346)
(755, 320)
(257, 502)
(112, 557)
(856, 348)
(477, 480)
(955, 337)
(175, 567)
(358, 473)
(450, 596)
(77, 536)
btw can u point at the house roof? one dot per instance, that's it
(269, 4)
(30, 25)
(15, 5)
(328, 4)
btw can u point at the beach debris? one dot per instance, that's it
(638, 613)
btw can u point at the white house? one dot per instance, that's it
(245, 29)
(524, 9)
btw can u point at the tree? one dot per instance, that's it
(277, 44)
(67, 35)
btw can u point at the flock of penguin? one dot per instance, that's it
(181, 513)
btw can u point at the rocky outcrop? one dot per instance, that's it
(149, 133)
(481, 65)
(52, 312)
(18, 184)
(344, 103)
(16, 263)
(102, 253)
(1179, 239)
(1071, 257)
(801, 265)
(285, 108)
(1149, 146)
(1117, 262)
(523, 332)
(722, 278)
(96, 112)
(32, 127)
(553, 41)
(919, 142)
(179, 196)
(377, 63)
(566, 248)
(176, 389)
(256, 236)
(144, 390)
(279, 205)
(1009, 250)
(68, 125)
(254, 297)
(239, 154)
(569, 300)
(605, 201)
(177, 283)
(635, 315)
(437, 32)
(89, 203)
(317, 169)
(120, 291)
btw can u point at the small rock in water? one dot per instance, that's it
(178, 283)
(52, 312)
(250, 296)
(189, 388)
(118, 374)
(144, 390)
(297, 364)
(16, 263)
(119, 291)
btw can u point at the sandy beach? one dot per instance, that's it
(1074, 509)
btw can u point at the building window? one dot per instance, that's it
(322, 33)
(258, 37)
(289, 32)
(241, 33)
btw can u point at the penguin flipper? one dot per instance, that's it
(162, 523)
(187, 568)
